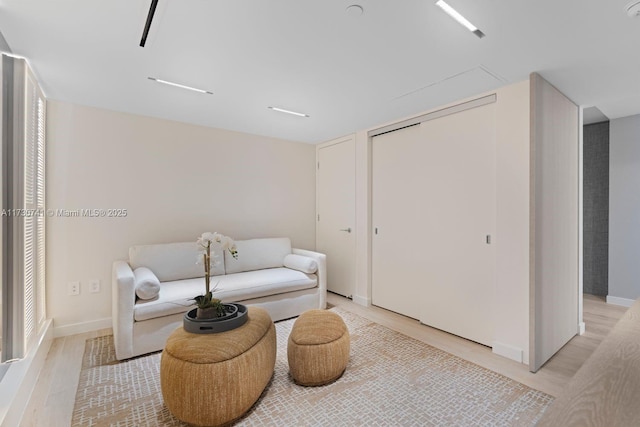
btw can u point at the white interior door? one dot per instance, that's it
(433, 207)
(335, 231)
(459, 174)
(397, 258)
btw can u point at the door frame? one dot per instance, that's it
(343, 139)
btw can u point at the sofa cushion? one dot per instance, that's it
(174, 261)
(261, 283)
(256, 254)
(301, 263)
(146, 283)
(177, 296)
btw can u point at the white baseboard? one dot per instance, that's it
(582, 327)
(361, 300)
(508, 351)
(80, 328)
(20, 379)
(625, 302)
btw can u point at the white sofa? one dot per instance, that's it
(267, 273)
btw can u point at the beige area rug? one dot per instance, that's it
(391, 380)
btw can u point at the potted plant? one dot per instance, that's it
(209, 307)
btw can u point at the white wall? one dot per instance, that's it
(624, 210)
(175, 180)
(555, 221)
(512, 221)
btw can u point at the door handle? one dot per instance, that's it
(348, 230)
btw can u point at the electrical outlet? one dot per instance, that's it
(94, 285)
(73, 288)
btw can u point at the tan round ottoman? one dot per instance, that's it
(213, 379)
(318, 348)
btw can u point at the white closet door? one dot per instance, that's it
(434, 206)
(396, 264)
(459, 217)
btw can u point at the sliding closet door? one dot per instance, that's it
(396, 262)
(459, 220)
(434, 210)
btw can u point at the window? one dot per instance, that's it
(23, 208)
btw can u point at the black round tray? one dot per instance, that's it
(214, 326)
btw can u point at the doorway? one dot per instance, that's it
(336, 213)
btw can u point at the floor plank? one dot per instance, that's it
(605, 391)
(599, 316)
(52, 400)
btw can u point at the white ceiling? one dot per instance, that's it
(591, 115)
(348, 73)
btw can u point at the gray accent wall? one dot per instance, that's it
(624, 208)
(596, 208)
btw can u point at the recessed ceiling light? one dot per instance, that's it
(180, 86)
(282, 110)
(458, 17)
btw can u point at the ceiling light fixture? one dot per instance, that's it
(147, 24)
(282, 110)
(458, 17)
(180, 86)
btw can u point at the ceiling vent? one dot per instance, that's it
(633, 9)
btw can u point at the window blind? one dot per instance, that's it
(40, 205)
(23, 198)
(29, 220)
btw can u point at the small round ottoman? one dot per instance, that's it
(213, 379)
(318, 348)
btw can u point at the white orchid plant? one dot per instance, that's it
(205, 257)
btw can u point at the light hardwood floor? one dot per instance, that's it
(52, 401)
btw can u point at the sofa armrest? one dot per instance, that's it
(123, 300)
(321, 259)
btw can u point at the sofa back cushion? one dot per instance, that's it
(174, 261)
(256, 254)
